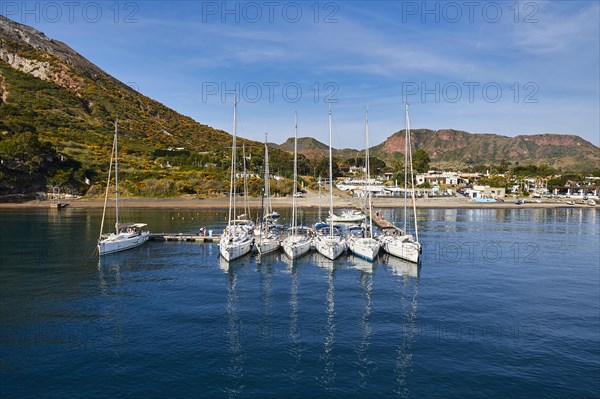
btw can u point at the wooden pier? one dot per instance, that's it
(184, 237)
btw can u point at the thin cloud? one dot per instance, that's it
(558, 31)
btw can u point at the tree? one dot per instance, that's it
(534, 170)
(398, 170)
(322, 168)
(377, 165)
(494, 181)
(562, 180)
(24, 153)
(420, 160)
(503, 167)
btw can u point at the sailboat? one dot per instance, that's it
(126, 235)
(395, 241)
(298, 242)
(268, 240)
(366, 246)
(347, 216)
(236, 239)
(329, 241)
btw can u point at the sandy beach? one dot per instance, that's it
(310, 200)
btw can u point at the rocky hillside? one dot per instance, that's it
(458, 149)
(454, 148)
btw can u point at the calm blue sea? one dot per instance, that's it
(506, 304)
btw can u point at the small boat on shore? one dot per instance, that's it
(55, 201)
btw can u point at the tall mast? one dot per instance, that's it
(295, 174)
(232, 179)
(368, 172)
(412, 181)
(406, 155)
(116, 176)
(267, 179)
(110, 165)
(330, 179)
(319, 216)
(246, 208)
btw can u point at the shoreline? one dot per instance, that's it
(282, 203)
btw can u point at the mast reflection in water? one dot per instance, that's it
(235, 372)
(328, 378)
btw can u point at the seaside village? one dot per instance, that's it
(477, 188)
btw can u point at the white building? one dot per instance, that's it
(436, 178)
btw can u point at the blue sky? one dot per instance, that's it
(500, 67)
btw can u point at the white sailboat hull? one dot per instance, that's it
(331, 247)
(121, 242)
(403, 247)
(233, 246)
(347, 217)
(366, 248)
(266, 245)
(295, 246)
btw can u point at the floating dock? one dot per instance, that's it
(184, 237)
(215, 238)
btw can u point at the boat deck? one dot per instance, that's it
(381, 222)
